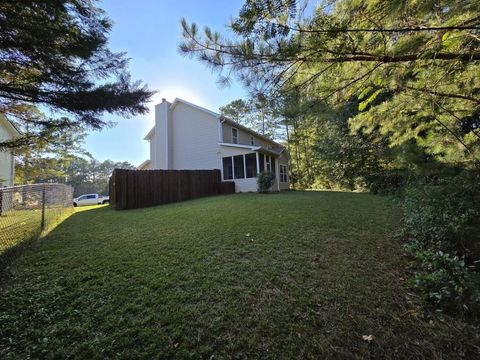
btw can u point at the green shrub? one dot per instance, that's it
(387, 181)
(265, 181)
(440, 216)
(441, 223)
(447, 282)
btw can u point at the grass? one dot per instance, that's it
(19, 227)
(291, 275)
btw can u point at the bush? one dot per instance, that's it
(441, 223)
(387, 181)
(447, 282)
(441, 215)
(265, 181)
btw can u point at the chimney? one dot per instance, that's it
(162, 131)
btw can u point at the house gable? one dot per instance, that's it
(7, 160)
(7, 130)
(194, 138)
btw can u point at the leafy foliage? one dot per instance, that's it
(417, 61)
(265, 181)
(447, 282)
(326, 154)
(440, 221)
(440, 213)
(61, 158)
(255, 113)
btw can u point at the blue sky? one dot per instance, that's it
(149, 31)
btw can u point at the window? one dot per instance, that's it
(238, 167)
(252, 140)
(234, 136)
(90, 197)
(268, 164)
(227, 168)
(251, 165)
(283, 173)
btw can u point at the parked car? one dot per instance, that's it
(91, 199)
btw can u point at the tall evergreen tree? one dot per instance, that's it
(54, 54)
(413, 64)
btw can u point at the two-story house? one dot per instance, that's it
(189, 137)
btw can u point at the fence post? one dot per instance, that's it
(43, 207)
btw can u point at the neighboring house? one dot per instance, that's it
(144, 165)
(189, 137)
(7, 159)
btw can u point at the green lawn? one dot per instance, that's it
(19, 226)
(291, 275)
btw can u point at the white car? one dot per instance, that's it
(91, 199)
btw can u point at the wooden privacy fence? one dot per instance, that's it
(133, 189)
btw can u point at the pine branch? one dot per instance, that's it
(379, 30)
(474, 56)
(450, 95)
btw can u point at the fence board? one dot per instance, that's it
(132, 189)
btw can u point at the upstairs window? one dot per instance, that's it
(234, 136)
(252, 140)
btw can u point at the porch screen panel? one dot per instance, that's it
(238, 167)
(273, 167)
(227, 168)
(262, 162)
(251, 164)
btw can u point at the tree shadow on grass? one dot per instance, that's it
(10, 257)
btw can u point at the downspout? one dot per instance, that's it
(220, 129)
(12, 168)
(220, 140)
(167, 134)
(277, 172)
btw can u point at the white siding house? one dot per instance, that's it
(7, 158)
(189, 137)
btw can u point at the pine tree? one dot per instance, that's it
(413, 65)
(54, 54)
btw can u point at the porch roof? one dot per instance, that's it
(254, 148)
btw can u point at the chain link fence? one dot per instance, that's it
(26, 211)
